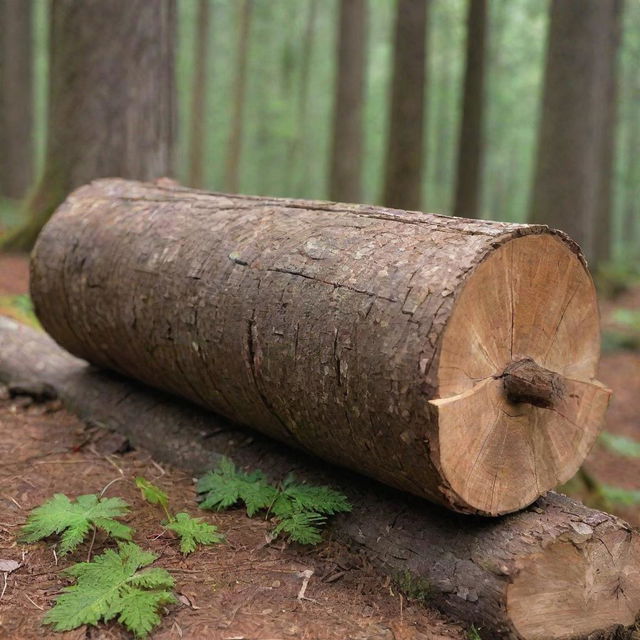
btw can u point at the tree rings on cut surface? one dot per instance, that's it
(451, 358)
(527, 317)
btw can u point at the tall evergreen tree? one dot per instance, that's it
(16, 97)
(197, 127)
(570, 171)
(234, 146)
(604, 211)
(111, 99)
(345, 181)
(470, 144)
(405, 157)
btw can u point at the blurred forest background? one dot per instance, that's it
(515, 110)
(363, 100)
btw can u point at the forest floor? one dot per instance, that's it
(245, 588)
(242, 589)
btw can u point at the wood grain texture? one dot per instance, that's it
(350, 331)
(554, 571)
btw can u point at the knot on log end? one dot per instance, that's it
(526, 381)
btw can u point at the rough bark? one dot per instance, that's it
(197, 129)
(16, 98)
(345, 179)
(556, 570)
(375, 338)
(470, 144)
(405, 141)
(569, 168)
(111, 99)
(234, 146)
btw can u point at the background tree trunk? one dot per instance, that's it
(405, 142)
(604, 213)
(296, 148)
(573, 133)
(470, 144)
(16, 97)
(197, 127)
(345, 180)
(234, 147)
(111, 99)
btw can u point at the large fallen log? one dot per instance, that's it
(556, 570)
(451, 358)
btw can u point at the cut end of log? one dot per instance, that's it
(518, 406)
(585, 582)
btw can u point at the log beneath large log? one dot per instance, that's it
(554, 571)
(451, 358)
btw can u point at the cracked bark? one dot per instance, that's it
(554, 571)
(374, 338)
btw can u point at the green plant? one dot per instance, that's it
(75, 519)
(111, 586)
(413, 586)
(153, 494)
(473, 634)
(191, 531)
(225, 486)
(299, 509)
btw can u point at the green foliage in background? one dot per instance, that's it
(20, 308)
(620, 445)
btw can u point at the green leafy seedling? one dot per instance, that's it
(299, 509)
(193, 531)
(154, 495)
(226, 486)
(75, 519)
(112, 587)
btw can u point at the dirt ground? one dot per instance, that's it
(242, 589)
(245, 588)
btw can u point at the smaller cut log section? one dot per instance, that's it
(451, 358)
(555, 571)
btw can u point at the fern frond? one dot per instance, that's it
(74, 519)
(297, 497)
(111, 586)
(225, 486)
(301, 527)
(151, 493)
(193, 531)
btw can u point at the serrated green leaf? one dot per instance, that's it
(151, 493)
(74, 519)
(301, 527)
(193, 531)
(111, 586)
(297, 497)
(225, 486)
